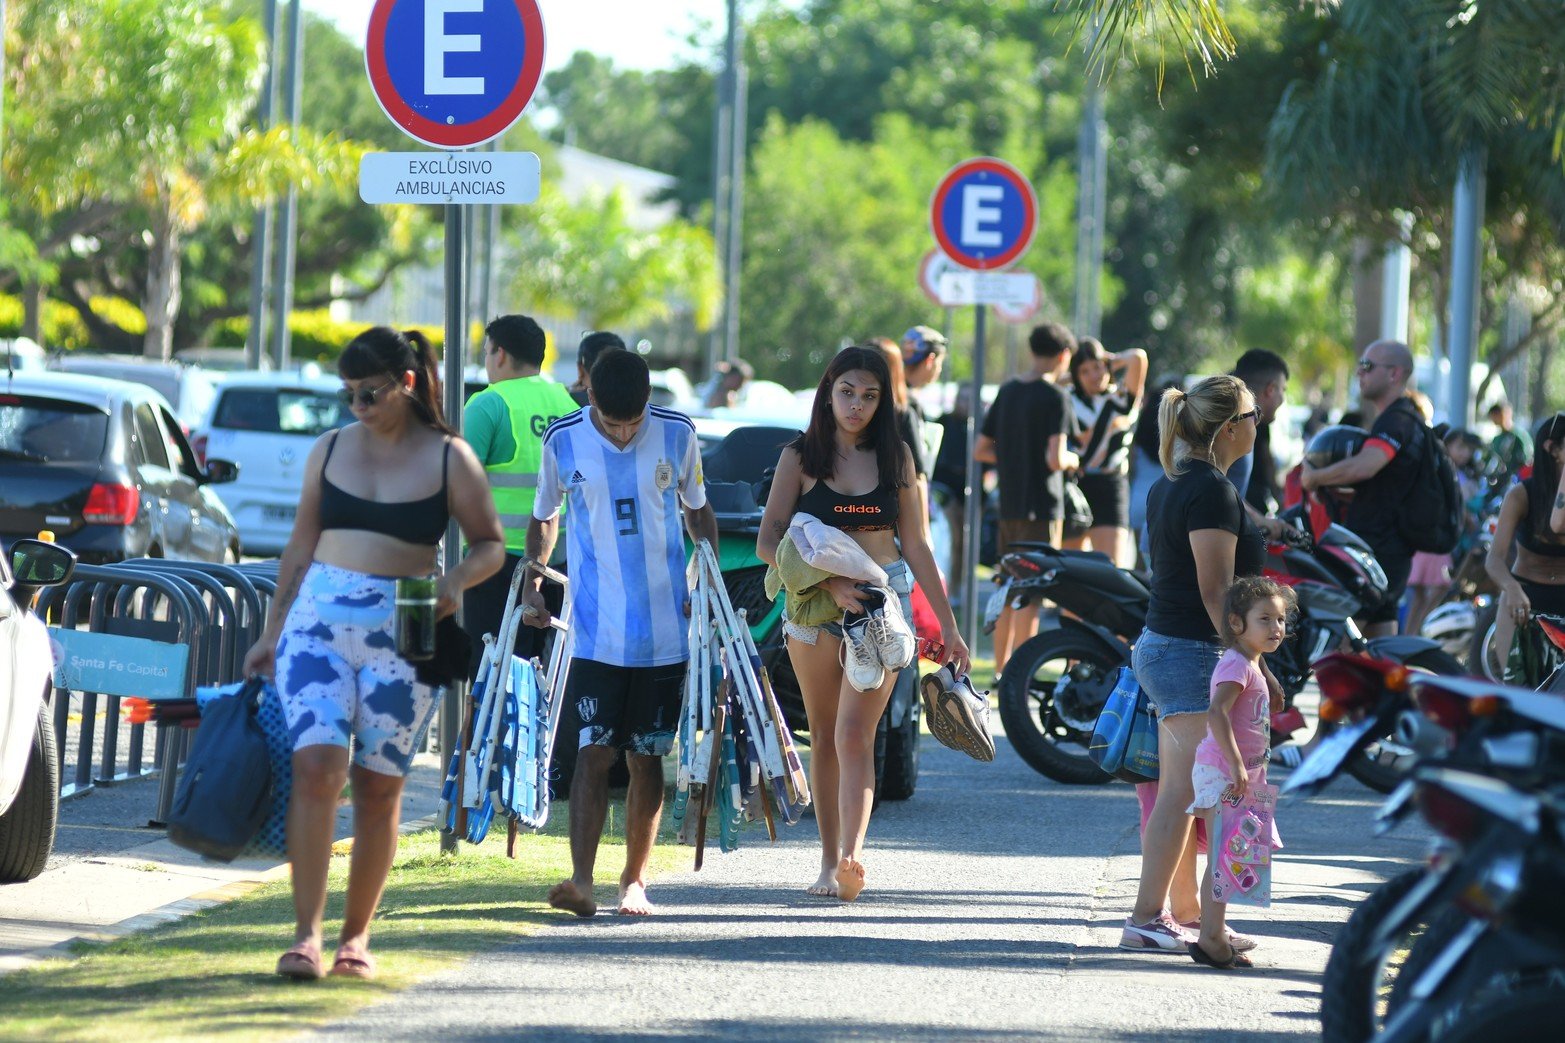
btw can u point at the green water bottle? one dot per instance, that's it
(414, 618)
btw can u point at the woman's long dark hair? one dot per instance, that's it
(1545, 478)
(817, 447)
(381, 349)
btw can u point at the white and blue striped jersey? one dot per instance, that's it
(625, 545)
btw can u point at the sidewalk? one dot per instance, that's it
(110, 875)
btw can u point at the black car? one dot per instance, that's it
(104, 465)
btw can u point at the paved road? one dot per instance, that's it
(995, 903)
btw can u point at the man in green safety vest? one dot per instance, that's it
(504, 423)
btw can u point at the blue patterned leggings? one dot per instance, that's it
(339, 676)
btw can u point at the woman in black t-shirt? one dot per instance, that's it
(1200, 538)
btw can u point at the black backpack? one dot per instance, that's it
(1431, 518)
(225, 789)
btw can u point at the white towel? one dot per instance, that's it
(834, 551)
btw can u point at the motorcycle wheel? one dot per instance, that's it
(1353, 996)
(1483, 659)
(1049, 732)
(1381, 766)
(896, 756)
(28, 826)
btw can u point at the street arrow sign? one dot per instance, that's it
(435, 177)
(984, 214)
(1010, 288)
(454, 73)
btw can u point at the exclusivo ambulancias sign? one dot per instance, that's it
(435, 177)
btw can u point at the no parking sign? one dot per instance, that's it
(984, 213)
(454, 73)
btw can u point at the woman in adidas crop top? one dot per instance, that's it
(851, 470)
(377, 497)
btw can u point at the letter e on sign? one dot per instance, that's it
(454, 74)
(984, 213)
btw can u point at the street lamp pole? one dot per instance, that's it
(261, 237)
(288, 226)
(739, 84)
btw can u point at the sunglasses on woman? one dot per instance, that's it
(365, 397)
(1251, 415)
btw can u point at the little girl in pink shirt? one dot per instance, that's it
(1231, 760)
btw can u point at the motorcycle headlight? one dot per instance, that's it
(1371, 567)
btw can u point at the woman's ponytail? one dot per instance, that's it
(1169, 412)
(426, 382)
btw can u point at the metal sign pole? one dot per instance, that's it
(975, 492)
(456, 353)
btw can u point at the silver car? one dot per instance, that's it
(266, 423)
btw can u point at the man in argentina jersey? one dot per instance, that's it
(632, 473)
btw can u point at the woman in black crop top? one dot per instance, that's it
(852, 444)
(1535, 581)
(376, 500)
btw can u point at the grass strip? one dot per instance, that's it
(211, 973)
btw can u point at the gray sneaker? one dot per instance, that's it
(861, 664)
(957, 715)
(889, 634)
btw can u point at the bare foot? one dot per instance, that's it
(850, 879)
(633, 900)
(826, 886)
(571, 897)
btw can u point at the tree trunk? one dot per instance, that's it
(1543, 362)
(164, 287)
(1368, 262)
(32, 312)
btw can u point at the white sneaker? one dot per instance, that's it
(889, 634)
(860, 663)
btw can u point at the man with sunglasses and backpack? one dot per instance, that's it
(1385, 475)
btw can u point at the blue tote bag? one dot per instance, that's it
(1124, 741)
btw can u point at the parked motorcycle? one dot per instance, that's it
(1057, 682)
(1434, 948)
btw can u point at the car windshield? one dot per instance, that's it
(285, 411)
(45, 430)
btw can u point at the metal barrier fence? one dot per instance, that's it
(152, 628)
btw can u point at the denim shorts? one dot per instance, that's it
(901, 583)
(1175, 672)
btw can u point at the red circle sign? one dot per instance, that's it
(984, 213)
(489, 65)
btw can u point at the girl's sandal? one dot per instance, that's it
(301, 963)
(1235, 962)
(353, 963)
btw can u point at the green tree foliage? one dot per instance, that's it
(587, 258)
(131, 132)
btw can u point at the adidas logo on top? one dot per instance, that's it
(576, 478)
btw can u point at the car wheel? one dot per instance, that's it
(27, 829)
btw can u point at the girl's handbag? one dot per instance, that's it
(1124, 741)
